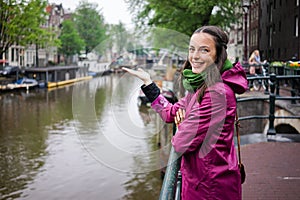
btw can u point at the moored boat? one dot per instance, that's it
(23, 83)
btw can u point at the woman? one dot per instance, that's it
(205, 117)
(254, 62)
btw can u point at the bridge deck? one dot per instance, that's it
(273, 171)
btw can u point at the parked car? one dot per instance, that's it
(10, 70)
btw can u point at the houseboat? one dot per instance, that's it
(57, 75)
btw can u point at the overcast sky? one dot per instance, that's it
(112, 10)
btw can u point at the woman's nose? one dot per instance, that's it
(196, 55)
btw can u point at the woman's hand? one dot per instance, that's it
(180, 115)
(141, 74)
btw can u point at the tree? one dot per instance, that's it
(90, 25)
(21, 23)
(119, 36)
(71, 43)
(118, 40)
(184, 16)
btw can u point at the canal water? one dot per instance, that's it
(90, 140)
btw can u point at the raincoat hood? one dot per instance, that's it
(236, 78)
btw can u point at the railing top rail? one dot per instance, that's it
(253, 77)
(242, 99)
(287, 98)
(287, 76)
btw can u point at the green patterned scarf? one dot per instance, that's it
(191, 82)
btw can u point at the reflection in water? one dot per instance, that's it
(145, 114)
(87, 141)
(23, 138)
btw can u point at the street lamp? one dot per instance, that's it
(245, 6)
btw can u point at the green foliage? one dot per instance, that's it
(119, 36)
(71, 43)
(21, 23)
(184, 16)
(277, 63)
(168, 39)
(118, 40)
(90, 25)
(226, 14)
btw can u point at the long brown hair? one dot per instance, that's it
(214, 71)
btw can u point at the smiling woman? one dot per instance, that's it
(204, 116)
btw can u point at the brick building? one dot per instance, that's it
(278, 35)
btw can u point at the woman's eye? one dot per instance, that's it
(204, 51)
(191, 49)
(201, 50)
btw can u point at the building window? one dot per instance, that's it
(296, 26)
(239, 37)
(27, 56)
(12, 54)
(31, 57)
(270, 36)
(17, 55)
(256, 36)
(271, 14)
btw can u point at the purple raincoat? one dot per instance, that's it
(205, 138)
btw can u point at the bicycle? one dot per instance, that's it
(261, 83)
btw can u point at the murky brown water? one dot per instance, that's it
(87, 141)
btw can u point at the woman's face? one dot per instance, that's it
(202, 52)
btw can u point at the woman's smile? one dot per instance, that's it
(197, 64)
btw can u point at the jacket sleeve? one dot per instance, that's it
(165, 109)
(203, 124)
(160, 104)
(151, 91)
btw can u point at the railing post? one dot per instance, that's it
(271, 130)
(178, 187)
(169, 184)
(169, 189)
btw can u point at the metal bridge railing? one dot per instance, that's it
(273, 96)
